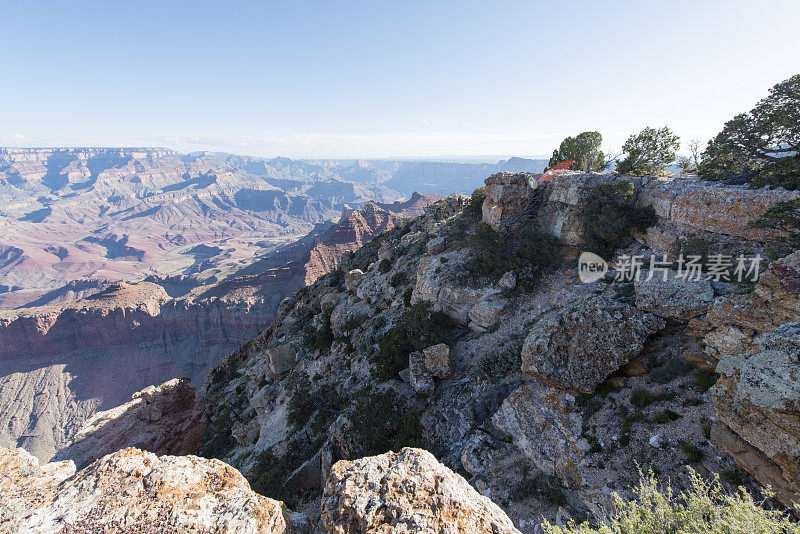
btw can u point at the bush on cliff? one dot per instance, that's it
(416, 329)
(529, 252)
(784, 217)
(610, 215)
(583, 150)
(380, 422)
(704, 507)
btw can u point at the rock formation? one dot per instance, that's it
(408, 491)
(757, 399)
(132, 491)
(163, 420)
(578, 346)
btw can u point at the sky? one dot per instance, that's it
(412, 79)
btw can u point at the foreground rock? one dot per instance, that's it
(132, 491)
(164, 420)
(672, 298)
(578, 346)
(757, 400)
(408, 491)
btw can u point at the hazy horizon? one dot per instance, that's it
(372, 81)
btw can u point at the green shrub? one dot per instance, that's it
(703, 508)
(501, 363)
(693, 452)
(610, 215)
(306, 402)
(385, 265)
(665, 416)
(407, 296)
(217, 437)
(416, 329)
(398, 279)
(784, 217)
(528, 252)
(381, 421)
(732, 476)
(322, 337)
(474, 208)
(641, 398)
(671, 370)
(544, 486)
(705, 379)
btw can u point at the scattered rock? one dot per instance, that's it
(578, 346)
(545, 424)
(486, 312)
(437, 360)
(508, 280)
(352, 278)
(656, 441)
(408, 491)
(419, 376)
(282, 359)
(699, 359)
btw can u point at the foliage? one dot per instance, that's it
(322, 337)
(409, 292)
(305, 402)
(610, 215)
(685, 165)
(665, 416)
(705, 379)
(474, 208)
(501, 363)
(693, 452)
(671, 370)
(385, 265)
(703, 508)
(398, 279)
(381, 422)
(540, 485)
(583, 149)
(268, 476)
(649, 152)
(529, 252)
(418, 328)
(641, 398)
(217, 437)
(784, 217)
(761, 146)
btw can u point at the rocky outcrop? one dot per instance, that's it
(672, 298)
(408, 491)
(507, 199)
(578, 346)
(757, 399)
(685, 207)
(433, 285)
(132, 491)
(163, 420)
(734, 323)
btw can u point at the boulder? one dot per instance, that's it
(408, 491)
(507, 199)
(352, 279)
(419, 376)
(411, 238)
(132, 491)
(545, 423)
(437, 360)
(757, 398)
(486, 312)
(508, 280)
(282, 359)
(673, 298)
(578, 346)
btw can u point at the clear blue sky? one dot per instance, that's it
(383, 79)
